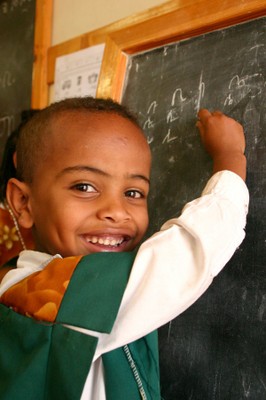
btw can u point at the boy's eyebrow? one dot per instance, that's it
(87, 168)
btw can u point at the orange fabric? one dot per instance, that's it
(10, 245)
(40, 294)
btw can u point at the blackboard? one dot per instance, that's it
(216, 349)
(16, 55)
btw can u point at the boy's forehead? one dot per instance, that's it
(81, 126)
(75, 117)
(91, 123)
(82, 138)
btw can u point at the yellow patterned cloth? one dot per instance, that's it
(39, 295)
(10, 245)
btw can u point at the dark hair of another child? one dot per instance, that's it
(7, 169)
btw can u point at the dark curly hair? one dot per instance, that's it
(7, 169)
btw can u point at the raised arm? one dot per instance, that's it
(224, 140)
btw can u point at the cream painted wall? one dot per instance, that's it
(74, 17)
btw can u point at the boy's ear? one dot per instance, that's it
(18, 198)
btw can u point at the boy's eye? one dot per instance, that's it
(134, 194)
(84, 187)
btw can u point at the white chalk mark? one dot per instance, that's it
(152, 107)
(171, 160)
(228, 101)
(6, 79)
(150, 139)
(181, 98)
(256, 49)
(171, 116)
(148, 124)
(165, 51)
(7, 124)
(216, 386)
(263, 384)
(262, 308)
(201, 93)
(237, 81)
(246, 387)
(169, 330)
(168, 138)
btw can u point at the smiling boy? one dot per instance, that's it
(91, 199)
(82, 187)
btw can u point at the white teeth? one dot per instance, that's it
(105, 241)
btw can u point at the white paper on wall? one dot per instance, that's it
(76, 74)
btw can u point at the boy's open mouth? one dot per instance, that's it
(106, 241)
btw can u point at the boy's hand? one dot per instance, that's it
(224, 139)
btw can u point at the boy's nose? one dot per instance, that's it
(114, 210)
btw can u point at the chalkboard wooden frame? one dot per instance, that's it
(184, 19)
(171, 21)
(42, 41)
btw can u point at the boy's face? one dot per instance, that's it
(90, 192)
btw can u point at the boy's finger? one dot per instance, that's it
(217, 112)
(200, 127)
(204, 114)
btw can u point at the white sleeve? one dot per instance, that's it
(176, 265)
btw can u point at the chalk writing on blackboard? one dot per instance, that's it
(10, 6)
(238, 90)
(7, 79)
(7, 125)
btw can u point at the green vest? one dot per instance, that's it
(47, 361)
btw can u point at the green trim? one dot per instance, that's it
(95, 291)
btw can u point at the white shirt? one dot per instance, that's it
(171, 271)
